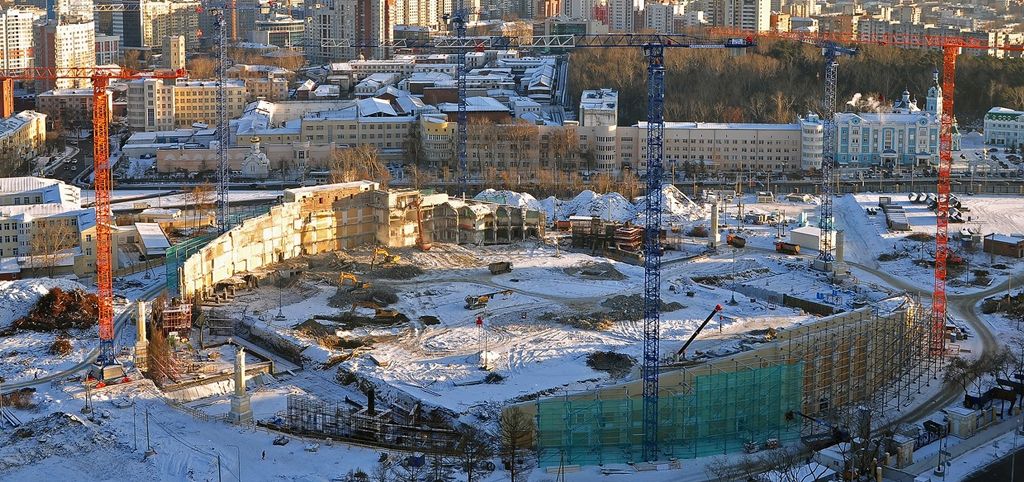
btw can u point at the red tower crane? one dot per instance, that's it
(106, 368)
(951, 47)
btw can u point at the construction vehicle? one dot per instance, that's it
(349, 278)
(385, 256)
(378, 312)
(422, 244)
(836, 434)
(500, 267)
(735, 241)
(480, 301)
(787, 248)
(681, 354)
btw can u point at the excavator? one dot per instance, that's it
(351, 279)
(421, 243)
(385, 256)
(681, 354)
(480, 301)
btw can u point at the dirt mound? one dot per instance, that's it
(631, 307)
(597, 321)
(61, 310)
(921, 237)
(616, 364)
(398, 271)
(725, 279)
(345, 296)
(601, 271)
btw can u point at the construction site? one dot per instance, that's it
(385, 326)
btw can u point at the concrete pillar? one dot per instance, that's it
(241, 409)
(141, 343)
(840, 238)
(713, 235)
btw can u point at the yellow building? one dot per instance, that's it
(158, 105)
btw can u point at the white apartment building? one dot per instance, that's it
(661, 17)
(334, 27)
(158, 105)
(64, 45)
(16, 38)
(1004, 127)
(624, 14)
(752, 15)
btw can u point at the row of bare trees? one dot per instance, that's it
(973, 374)
(476, 448)
(780, 79)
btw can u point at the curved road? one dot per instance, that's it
(961, 306)
(119, 322)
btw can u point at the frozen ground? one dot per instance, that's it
(867, 238)
(440, 363)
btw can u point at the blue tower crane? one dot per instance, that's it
(826, 221)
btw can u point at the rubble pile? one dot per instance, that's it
(61, 310)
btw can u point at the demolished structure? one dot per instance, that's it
(333, 217)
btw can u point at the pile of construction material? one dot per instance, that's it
(895, 217)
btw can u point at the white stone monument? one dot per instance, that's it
(241, 410)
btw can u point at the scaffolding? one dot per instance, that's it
(720, 412)
(746, 401)
(350, 422)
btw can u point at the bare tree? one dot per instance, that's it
(358, 163)
(50, 237)
(202, 197)
(475, 447)
(383, 471)
(202, 68)
(12, 163)
(515, 431)
(132, 59)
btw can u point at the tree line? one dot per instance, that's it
(778, 80)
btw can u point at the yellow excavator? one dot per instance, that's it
(351, 280)
(385, 256)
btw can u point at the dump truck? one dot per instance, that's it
(500, 267)
(787, 248)
(735, 240)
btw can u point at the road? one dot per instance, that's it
(87, 362)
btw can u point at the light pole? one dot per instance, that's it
(238, 461)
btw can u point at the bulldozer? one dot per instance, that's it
(475, 302)
(351, 279)
(385, 256)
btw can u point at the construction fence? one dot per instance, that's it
(719, 413)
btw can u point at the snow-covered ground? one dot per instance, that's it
(525, 345)
(677, 207)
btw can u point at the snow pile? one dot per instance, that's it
(510, 198)
(550, 205)
(18, 297)
(676, 207)
(610, 206)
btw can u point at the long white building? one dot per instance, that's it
(1004, 127)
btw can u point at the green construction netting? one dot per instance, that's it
(177, 254)
(717, 415)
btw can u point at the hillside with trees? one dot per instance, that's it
(778, 80)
